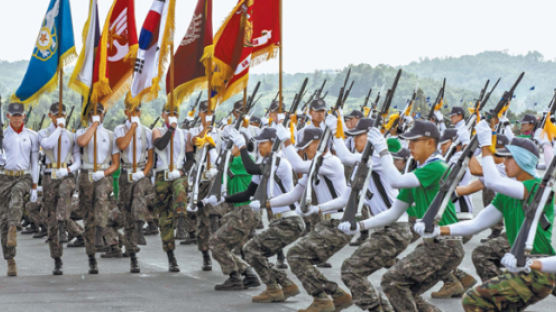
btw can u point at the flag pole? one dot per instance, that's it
(60, 105)
(280, 97)
(172, 103)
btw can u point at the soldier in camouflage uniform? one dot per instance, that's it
(95, 180)
(20, 174)
(135, 144)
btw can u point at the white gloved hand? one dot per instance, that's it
(61, 122)
(208, 118)
(212, 200)
(98, 175)
(135, 119)
(95, 118)
(227, 131)
(541, 137)
(137, 176)
(191, 208)
(311, 210)
(504, 120)
(211, 173)
(407, 119)
(255, 205)
(173, 121)
(174, 174)
(281, 117)
(34, 196)
(463, 135)
(438, 115)
(377, 140)
(510, 262)
(419, 228)
(484, 133)
(62, 172)
(282, 133)
(346, 228)
(331, 122)
(238, 140)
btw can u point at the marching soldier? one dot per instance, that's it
(62, 161)
(95, 180)
(134, 141)
(19, 176)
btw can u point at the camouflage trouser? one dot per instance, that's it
(280, 233)
(74, 229)
(115, 222)
(236, 226)
(314, 248)
(486, 257)
(133, 199)
(33, 212)
(94, 200)
(12, 192)
(311, 222)
(56, 201)
(509, 292)
(404, 283)
(171, 198)
(204, 229)
(384, 245)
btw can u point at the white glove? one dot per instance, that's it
(311, 210)
(281, 117)
(173, 121)
(137, 176)
(174, 174)
(331, 122)
(255, 205)
(377, 140)
(238, 140)
(407, 119)
(34, 196)
(346, 228)
(95, 118)
(135, 119)
(504, 120)
(419, 228)
(541, 137)
(510, 262)
(62, 172)
(212, 200)
(227, 131)
(281, 132)
(191, 208)
(211, 173)
(208, 118)
(463, 135)
(438, 115)
(61, 122)
(98, 175)
(484, 133)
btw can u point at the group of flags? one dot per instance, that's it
(115, 61)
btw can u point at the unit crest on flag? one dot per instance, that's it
(48, 38)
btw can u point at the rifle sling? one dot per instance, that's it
(385, 198)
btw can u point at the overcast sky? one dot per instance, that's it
(321, 34)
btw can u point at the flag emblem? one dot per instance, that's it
(47, 40)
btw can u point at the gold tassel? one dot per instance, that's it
(293, 122)
(549, 128)
(340, 129)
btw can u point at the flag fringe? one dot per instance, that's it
(184, 90)
(263, 55)
(74, 83)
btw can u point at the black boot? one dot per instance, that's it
(180, 228)
(190, 240)
(78, 242)
(233, 282)
(281, 260)
(172, 262)
(134, 265)
(113, 252)
(57, 267)
(139, 233)
(62, 232)
(207, 263)
(93, 269)
(42, 232)
(250, 279)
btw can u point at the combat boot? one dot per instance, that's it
(31, 229)
(134, 265)
(467, 281)
(289, 288)
(114, 252)
(57, 267)
(272, 293)
(180, 228)
(189, 240)
(63, 235)
(93, 269)
(361, 239)
(250, 278)
(207, 263)
(320, 304)
(151, 229)
(281, 260)
(12, 236)
(449, 290)
(233, 282)
(42, 232)
(78, 242)
(172, 262)
(341, 299)
(139, 233)
(12, 268)
(324, 265)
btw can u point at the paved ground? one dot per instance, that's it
(114, 289)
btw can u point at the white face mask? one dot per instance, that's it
(172, 120)
(208, 118)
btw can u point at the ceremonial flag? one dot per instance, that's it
(189, 71)
(232, 51)
(116, 56)
(266, 30)
(54, 48)
(154, 43)
(81, 79)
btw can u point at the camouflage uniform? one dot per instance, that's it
(236, 226)
(384, 245)
(115, 221)
(486, 257)
(12, 192)
(33, 212)
(419, 271)
(94, 199)
(133, 199)
(57, 196)
(280, 233)
(314, 248)
(171, 198)
(509, 292)
(204, 229)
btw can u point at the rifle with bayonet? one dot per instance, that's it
(360, 181)
(316, 163)
(453, 174)
(406, 112)
(154, 123)
(41, 122)
(270, 162)
(346, 94)
(374, 105)
(366, 102)
(438, 102)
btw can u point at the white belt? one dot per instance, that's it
(288, 214)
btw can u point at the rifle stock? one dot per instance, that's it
(439, 98)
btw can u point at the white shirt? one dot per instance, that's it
(179, 138)
(285, 174)
(21, 151)
(105, 146)
(121, 130)
(48, 140)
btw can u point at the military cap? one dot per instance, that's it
(55, 106)
(362, 126)
(16, 109)
(354, 114)
(267, 134)
(318, 105)
(309, 134)
(422, 128)
(527, 144)
(528, 118)
(457, 110)
(449, 134)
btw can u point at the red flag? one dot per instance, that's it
(266, 30)
(232, 51)
(189, 71)
(116, 56)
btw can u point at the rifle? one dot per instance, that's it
(373, 105)
(154, 123)
(366, 100)
(550, 112)
(346, 94)
(218, 184)
(324, 96)
(452, 176)
(318, 158)
(319, 90)
(270, 162)
(41, 122)
(360, 181)
(28, 114)
(69, 115)
(438, 102)
(406, 112)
